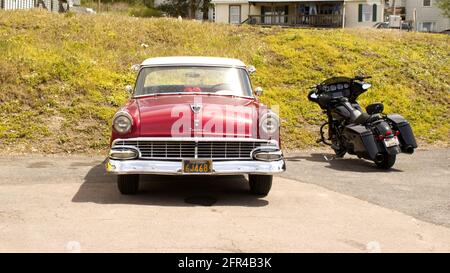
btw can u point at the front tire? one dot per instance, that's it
(260, 184)
(339, 150)
(387, 162)
(128, 184)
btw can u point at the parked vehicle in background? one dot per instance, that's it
(385, 25)
(381, 25)
(195, 116)
(370, 135)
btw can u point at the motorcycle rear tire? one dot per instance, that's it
(387, 162)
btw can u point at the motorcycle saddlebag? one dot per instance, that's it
(406, 136)
(362, 141)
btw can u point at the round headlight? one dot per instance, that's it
(122, 123)
(270, 123)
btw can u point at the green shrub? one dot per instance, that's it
(145, 12)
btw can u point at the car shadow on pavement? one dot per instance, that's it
(100, 187)
(341, 164)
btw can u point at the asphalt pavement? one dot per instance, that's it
(69, 204)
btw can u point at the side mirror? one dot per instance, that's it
(129, 89)
(258, 91)
(135, 67)
(251, 69)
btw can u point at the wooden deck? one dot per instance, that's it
(331, 20)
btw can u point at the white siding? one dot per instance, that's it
(352, 13)
(426, 15)
(222, 11)
(17, 4)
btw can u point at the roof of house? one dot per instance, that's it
(184, 60)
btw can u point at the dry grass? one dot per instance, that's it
(62, 76)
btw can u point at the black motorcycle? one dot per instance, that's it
(371, 134)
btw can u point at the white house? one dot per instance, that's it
(330, 13)
(17, 4)
(52, 5)
(426, 16)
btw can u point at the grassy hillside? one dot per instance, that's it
(62, 76)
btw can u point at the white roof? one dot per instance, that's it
(184, 60)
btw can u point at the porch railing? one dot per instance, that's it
(320, 20)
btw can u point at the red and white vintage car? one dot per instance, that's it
(195, 116)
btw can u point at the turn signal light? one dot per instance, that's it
(123, 154)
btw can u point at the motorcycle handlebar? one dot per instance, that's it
(361, 78)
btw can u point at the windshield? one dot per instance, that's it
(199, 79)
(334, 80)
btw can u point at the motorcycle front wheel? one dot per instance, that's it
(340, 152)
(387, 162)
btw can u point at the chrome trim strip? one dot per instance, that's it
(144, 145)
(194, 65)
(190, 93)
(175, 168)
(198, 139)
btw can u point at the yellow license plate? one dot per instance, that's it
(197, 166)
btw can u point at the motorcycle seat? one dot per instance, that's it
(366, 118)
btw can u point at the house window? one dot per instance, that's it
(427, 26)
(329, 8)
(235, 14)
(426, 3)
(365, 13)
(274, 15)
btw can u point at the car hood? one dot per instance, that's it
(197, 115)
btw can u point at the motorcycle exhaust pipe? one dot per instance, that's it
(408, 149)
(379, 157)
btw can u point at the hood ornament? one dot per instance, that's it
(196, 108)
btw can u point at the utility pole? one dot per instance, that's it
(393, 7)
(98, 6)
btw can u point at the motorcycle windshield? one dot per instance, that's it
(336, 80)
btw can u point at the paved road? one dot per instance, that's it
(418, 185)
(61, 204)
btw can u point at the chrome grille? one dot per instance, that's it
(157, 149)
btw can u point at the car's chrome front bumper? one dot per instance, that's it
(136, 166)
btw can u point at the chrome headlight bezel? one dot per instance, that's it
(124, 153)
(127, 122)
(267, 153)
